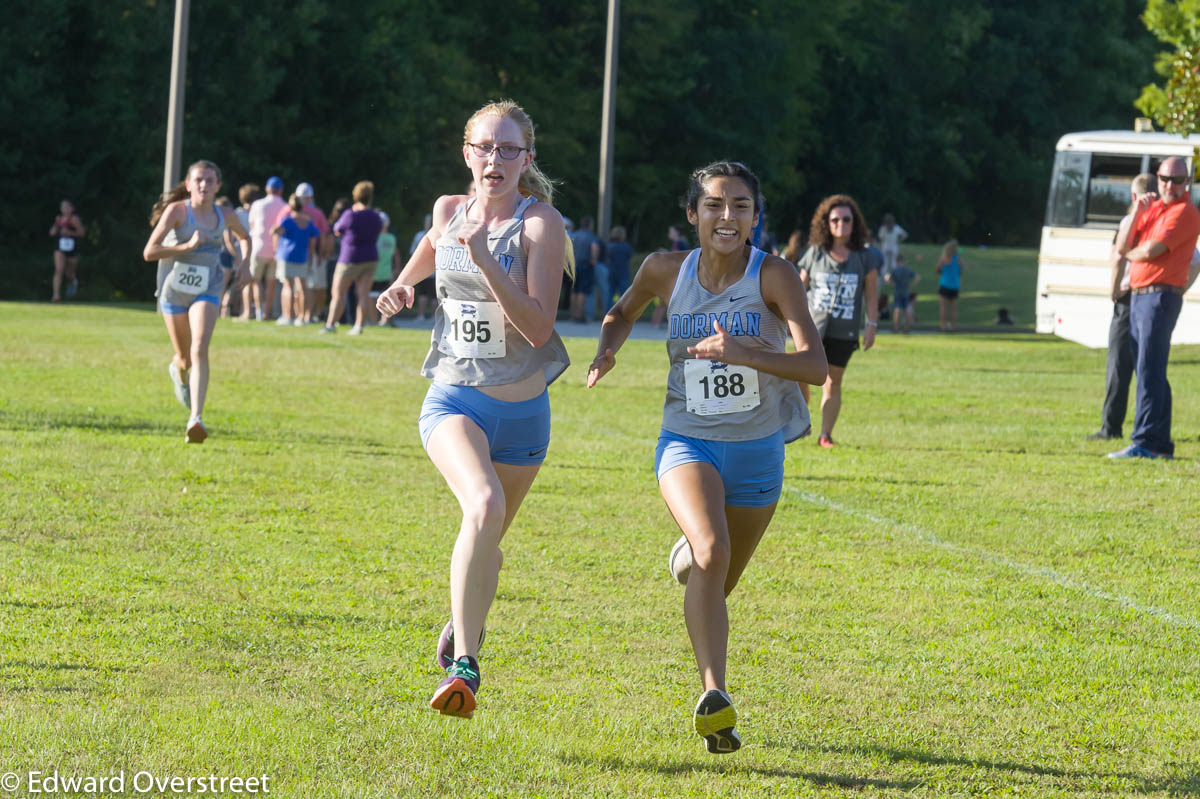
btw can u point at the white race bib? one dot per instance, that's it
(473, 329)
(189, 278)
(66, 244)
(713, 387)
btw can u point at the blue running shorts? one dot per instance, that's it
(518, 433)
(171, 309)
(752, 471)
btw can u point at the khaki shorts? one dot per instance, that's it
(352, 272)
(286, 270)
(318, 275)
(259, 267)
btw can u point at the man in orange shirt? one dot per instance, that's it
(1159, 250)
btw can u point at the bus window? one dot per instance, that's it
(1108, 187)
(1065, 207)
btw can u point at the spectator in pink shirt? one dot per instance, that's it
(263, 216)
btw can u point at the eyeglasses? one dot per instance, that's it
(845, 220)
(1178, 180)
(506, 151)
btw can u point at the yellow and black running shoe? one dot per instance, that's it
(714, 719)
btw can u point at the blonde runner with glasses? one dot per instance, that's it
(498, 258)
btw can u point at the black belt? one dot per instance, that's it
(1155, 288)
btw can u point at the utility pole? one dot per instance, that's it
(608, 121)
(175, 115)
(175, 107)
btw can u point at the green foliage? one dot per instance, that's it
(1174, 106)
(944, 113)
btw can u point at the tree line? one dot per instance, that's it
(944, 112)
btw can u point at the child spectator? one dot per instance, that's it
(903, 281)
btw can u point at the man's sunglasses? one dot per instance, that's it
(1178, 180)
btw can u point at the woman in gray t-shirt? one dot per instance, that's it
(842, 277)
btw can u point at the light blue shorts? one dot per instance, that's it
(518, 433)
(171, 309)
(752, 471)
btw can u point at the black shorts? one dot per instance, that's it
(426, 288)
(585, 278)
(950, 294)
(839, 350)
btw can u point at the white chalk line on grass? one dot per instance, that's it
(1041, 572)
(1050, 575)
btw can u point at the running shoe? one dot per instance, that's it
(298, 322)
(327, 329)
(826, 442)
(714, 720)
(72, 288)
(355, 331)
(455, 695)
(445, 649)
(284, 321)
(182, 392)
(195, 432)
(680, 562)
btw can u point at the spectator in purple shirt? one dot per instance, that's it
(358, 229)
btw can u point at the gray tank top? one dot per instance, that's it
(712, 400)
(473, 343)
(199, 271)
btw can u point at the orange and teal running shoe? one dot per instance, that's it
(455, 695)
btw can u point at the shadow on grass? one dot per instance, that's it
(31, 422)
(40, 666)
(28, 422)
(16, 603)
(726, 766)
(1138, 783)
(1188, 784)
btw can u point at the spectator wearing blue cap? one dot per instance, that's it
(263, 214)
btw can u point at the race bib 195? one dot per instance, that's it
(713, 387)
(189, 278)
(473, 329)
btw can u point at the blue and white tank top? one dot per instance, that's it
(719, 401)
(199, 271)
(473, 343)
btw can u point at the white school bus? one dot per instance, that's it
(1089, 193)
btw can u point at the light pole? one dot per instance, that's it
(175, 106)
(175, 115)
(608, 121)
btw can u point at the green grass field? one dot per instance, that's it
(963, 599)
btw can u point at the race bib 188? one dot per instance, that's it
(473, 329)
(713, 387)
(189, 278)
